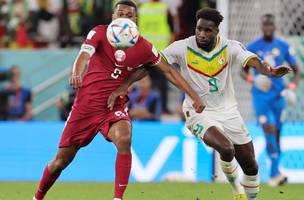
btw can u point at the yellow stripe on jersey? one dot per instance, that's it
(207, 66)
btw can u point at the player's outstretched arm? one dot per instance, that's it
(266, 69)
(78, 69)
(122, 90)
(174, 77)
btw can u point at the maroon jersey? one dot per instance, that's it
(108, 68)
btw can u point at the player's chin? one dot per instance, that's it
(202, 43)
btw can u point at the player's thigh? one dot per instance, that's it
(279, 112)
(246, 158)
(235, 128)
(205, 126)
(215, 138)
(120, 131)
(262, 111)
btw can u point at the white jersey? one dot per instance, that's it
(209, 73)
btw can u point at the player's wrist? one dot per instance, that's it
(249, 78)
(292, 86)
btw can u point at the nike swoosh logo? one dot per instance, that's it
(122, 185)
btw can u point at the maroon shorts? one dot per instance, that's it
(80, 129)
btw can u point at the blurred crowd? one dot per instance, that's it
(64, 23)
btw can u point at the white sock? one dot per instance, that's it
(231, 172)
(252, 186)
(117, 199)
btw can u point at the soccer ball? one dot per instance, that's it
(122, 33)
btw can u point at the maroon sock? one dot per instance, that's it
(46, 182)
(122, 173)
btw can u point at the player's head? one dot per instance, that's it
(268, 26)
(14, 74)
(125, 9)
(207, 23)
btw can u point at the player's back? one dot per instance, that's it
(108, 68)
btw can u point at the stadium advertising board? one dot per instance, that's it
(161, 151)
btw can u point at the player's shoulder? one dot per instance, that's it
(26, 90)
(281, 41)
(100, 28)
(255, 43)
(232, 44)
(180, 45)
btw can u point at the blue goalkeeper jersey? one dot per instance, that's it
(275, 53)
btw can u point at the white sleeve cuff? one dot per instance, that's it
(88, 49)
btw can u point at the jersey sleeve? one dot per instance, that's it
(152, 56)
(290, 57)
(241, 54)
(171, 53)
(92, 41)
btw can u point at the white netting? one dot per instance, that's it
(245, 25)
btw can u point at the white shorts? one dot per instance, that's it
(229, 122)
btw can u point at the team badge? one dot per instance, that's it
(275, 52)
(120, 55)
(222, 60)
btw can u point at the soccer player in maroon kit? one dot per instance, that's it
(108, 68)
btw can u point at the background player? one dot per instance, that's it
(90, 113)
(206, 61)
(267, 99)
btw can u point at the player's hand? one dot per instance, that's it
(76, 81)
(198, 105)
(121, 91)
(280, 71)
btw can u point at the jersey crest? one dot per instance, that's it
(209, 67)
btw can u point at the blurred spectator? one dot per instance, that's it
(76, 21)
(156, 24)
(65, 103)
(44, 29)
(144, 104)
(18, 13)
(186, 15)
(19, 99)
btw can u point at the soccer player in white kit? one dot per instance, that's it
(206, 61)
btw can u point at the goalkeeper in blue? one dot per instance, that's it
(269, 94)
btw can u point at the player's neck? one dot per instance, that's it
(268, 38)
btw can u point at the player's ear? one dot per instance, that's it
(217, 30)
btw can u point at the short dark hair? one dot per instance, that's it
(127, 3)
(210, 14)
(268, 16)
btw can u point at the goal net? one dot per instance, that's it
(244, 25)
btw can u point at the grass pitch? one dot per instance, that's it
(143, 191)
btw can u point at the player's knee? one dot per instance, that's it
(251, 168)
(124, 142)
(268, 129)
(60, 164)
(227, 152)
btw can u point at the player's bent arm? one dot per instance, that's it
(79, 68)
(267, 70)
(174, 77)
(122, 90)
